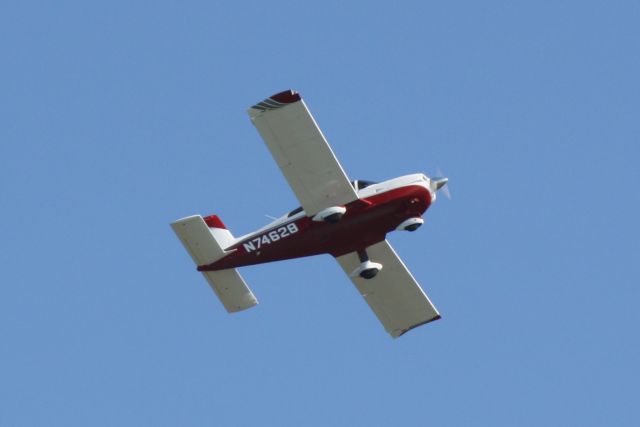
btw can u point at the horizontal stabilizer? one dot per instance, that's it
(196, 237)
(231, 288)
(206, 245)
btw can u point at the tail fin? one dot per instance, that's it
(206, 240)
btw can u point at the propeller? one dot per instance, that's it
(441, 183)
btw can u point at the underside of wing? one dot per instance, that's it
(302, 152)
(393, 294)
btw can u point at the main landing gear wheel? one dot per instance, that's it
(367, 269)
(369, 273)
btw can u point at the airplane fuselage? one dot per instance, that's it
(380, 208)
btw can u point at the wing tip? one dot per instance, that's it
(279, 100)
(396, 334)
(288, 96)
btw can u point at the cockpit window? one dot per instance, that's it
(360, 184)
(365, 184)
(295, 211)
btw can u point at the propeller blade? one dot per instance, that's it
(445, 186)
(446, 192)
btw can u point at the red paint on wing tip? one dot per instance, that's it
(213, 221)
(286, 97)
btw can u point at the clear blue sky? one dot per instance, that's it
(118, 118)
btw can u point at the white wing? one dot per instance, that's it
(302, 153)
(393, 294)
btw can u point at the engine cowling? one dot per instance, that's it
(411, 224)
(330, 215)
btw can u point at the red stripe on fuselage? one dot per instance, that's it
(365, 223)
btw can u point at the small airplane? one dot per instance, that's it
(346, 219)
